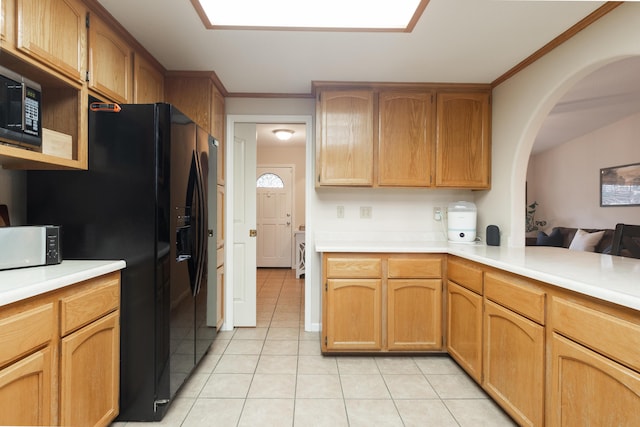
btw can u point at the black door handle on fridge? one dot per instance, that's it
(190, 202)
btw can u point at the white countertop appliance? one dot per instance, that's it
(461, 222)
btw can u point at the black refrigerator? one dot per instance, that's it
(143, 199)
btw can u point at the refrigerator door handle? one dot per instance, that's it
(191, 203)
(201, 229)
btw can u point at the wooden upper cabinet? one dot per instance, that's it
(3, 19)
(345, 140)
(463, 149)
(192, 96)
(218, 131)
(54, 33)
(394, 135)
(109, 62)
(148, 82)
(404, 144)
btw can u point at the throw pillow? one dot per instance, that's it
(584, 241)
(553, 239)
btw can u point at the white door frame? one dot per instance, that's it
(232, 119)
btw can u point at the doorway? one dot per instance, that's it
(238, 271)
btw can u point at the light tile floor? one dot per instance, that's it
(275, 375)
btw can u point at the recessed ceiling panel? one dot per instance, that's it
(353, 15)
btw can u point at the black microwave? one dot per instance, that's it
(20, 110)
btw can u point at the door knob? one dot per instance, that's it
(288, 223)
(253, 233)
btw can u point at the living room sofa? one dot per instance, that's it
(563, 236)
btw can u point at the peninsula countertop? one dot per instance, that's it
(609, 278)
(22, 283)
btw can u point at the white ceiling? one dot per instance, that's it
(472, 41)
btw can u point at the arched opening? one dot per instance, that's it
(593, 125)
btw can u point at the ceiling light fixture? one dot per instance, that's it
(283, 134)
(349, 15)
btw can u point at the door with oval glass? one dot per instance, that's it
(274, 216)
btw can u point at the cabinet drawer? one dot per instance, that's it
(99, 297)
(611, 336)
(354, 267)
(25, 331)
(414, 268)
(516, 294)
(465, 274)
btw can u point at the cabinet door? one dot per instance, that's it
(90, 367)
(353, 314)
(192, 96)
(220, 297)
(463, 149)
(220, 216)
(404, 141)
(109, 62)
(588, 389)
(345, 153)
(54, 33)
(218, 130)
(464, 329)
(148, 82)
(514, 363)
(26, 389)
(3, 19)
(414, 310)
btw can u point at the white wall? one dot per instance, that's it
(521, 103)
(565, 180)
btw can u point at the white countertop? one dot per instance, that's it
(610, 278)
(22, 283)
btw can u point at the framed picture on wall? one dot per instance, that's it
(620, 185)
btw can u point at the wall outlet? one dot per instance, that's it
(437, 213)
(365, 212)
(340, 211)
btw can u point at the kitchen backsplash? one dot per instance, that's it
(394, 209)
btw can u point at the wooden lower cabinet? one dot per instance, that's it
(60, 356)
(26, 391)
(514, 363)
(589, 389)
(353, 317)
(464, 328)
(89, 367)
(414, 312)
(382, 302)
(595, 364)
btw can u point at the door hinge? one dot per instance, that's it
(87, 20)
(326, 286)
(326, 341)
(87, 76)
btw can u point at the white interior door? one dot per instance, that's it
(244, 225)
(274, 216)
